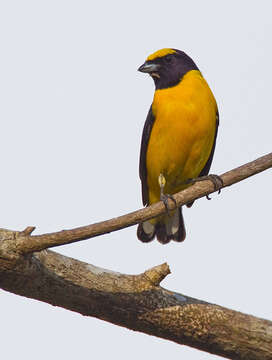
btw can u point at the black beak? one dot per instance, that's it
(149, 67)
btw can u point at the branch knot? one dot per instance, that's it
(156, 274)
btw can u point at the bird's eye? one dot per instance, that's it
(168, 59)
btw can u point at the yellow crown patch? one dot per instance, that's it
(160, 53)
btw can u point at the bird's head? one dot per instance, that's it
(167, 67)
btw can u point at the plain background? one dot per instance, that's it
(72, 112)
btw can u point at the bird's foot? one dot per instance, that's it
(215, 179)
(164, 199)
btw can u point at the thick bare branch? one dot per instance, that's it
(27, 244)
(136, 302)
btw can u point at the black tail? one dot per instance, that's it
(168, 228)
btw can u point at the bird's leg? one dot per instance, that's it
(164, 197)
(215, 179)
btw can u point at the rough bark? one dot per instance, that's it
(138, 303)
(133, 301)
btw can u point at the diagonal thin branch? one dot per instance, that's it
(27, 244)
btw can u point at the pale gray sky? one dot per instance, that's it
(72, 111)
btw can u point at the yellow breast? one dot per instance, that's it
(182, 135)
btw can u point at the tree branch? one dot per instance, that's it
(28, 244)
(136, 302)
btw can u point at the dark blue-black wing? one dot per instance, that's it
(206, 169)
(145, 140)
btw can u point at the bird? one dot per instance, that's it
(178, 139)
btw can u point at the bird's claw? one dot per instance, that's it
(164, 199)
(217, 182)
(215, 179)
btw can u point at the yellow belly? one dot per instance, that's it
(182, 135)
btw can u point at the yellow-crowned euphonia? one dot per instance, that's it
(178, 139)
